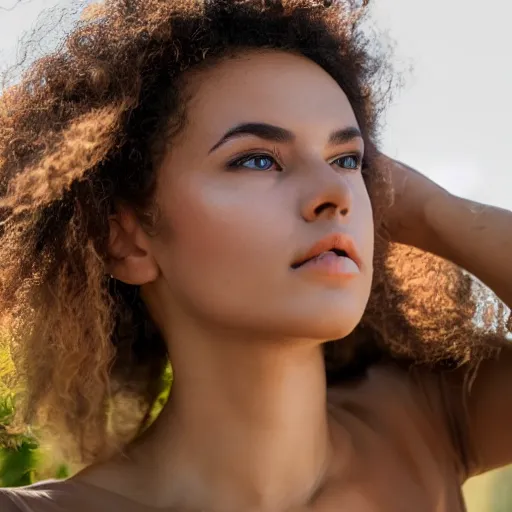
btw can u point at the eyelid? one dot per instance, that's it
(358, 154)
(244, 156)
(274, 154)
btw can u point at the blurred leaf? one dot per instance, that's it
(62, 472)
(18, 466)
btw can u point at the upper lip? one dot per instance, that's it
(333, 242)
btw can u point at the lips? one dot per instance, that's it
(340, 244)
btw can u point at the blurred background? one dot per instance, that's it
(449, 120)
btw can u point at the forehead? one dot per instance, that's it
(269, 86)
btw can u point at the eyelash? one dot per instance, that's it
(274, 156)
(358, 158)
(239, 161)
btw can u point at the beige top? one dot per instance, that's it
(408, 454)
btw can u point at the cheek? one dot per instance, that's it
(363, 224)
(220, 226)
(227, 254)
(225, 250)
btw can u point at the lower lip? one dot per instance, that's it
(330, 264)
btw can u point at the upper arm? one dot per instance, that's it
(477, 412)
(487, 420)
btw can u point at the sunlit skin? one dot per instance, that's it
(230, 232)
(250, 424)
(244, 328)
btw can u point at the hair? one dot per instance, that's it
(82, 133)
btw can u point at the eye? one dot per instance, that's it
(256, 163)
(350, 162)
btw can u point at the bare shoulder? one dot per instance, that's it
(45, 496)
(8, 501)
(403, 407)
(393, 399)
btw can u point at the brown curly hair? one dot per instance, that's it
(82, 133)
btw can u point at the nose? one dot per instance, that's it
(329, 195)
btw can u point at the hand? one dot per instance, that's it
(413, 193)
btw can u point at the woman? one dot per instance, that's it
(199, 182)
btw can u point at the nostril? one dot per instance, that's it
(325, 206)
(330, 206)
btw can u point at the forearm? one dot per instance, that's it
(476, 237)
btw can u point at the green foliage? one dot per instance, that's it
(19, 455)
(18, 465)
(21, 458)
(164, 394)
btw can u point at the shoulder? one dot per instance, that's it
(45, 496)
(410, 405)
(73, 493)
(8, 502)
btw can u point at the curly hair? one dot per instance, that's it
(83, 131)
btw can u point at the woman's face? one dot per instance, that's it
(267, 165)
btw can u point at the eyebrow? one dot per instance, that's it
(277, 134)
(344, 135)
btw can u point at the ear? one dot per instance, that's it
(129, 253)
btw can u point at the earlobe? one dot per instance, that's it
(129, 253)
(132, 271)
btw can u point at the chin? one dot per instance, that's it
(321, 313)
(325, 333)
(324, 325)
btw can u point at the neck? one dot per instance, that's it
(245, 426)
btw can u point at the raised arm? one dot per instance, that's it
(474, 236)
(478, 238)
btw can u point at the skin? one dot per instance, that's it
(244, 330)
(476, 237)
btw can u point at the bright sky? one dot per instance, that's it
(450, 120)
